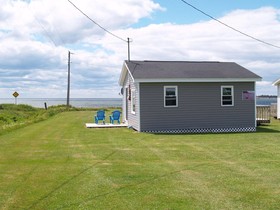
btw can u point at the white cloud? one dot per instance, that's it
(35, 38)
(63, 23)
(210, 40)
(32, 31)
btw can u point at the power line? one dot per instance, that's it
(46, 32)
(96, 22)
(232, 28)
(44, 29)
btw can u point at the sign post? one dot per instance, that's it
(15, 94)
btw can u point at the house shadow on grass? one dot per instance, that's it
(266, 129)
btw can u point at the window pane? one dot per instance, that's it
(133, 101)
(226, 91)
(170, 92)
(170, 101)
(170, 96)
(227, 102)
(227, 96)
(134, 104)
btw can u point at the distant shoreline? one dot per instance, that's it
(266, 96)
(259, 96)
(61, 98)
(99, 102)
(75, 102)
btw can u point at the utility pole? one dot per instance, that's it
(128, 45)
(68, 81)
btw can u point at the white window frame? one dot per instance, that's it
(133, 101)
(232, 95)
(176, 94)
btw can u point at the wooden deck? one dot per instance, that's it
(106, 125)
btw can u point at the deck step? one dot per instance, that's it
(106, 125)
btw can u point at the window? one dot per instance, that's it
(227, 96)
(133, 101)
(170, 96)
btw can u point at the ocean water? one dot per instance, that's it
(266, 100)
(76, 102)
(92, 102)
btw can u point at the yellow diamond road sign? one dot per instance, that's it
(15, 94)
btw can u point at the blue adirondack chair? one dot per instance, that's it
(115, 116)
(100, 115)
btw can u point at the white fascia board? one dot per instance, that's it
(277, 82)
(130, 73)
(122, 76)
(124, 73)
(198, 80)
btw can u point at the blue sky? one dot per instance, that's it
(36, 35)
(179, 13)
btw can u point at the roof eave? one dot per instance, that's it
(123, 74)
(198, 80)
(277, 82)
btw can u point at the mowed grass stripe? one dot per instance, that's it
(59, 164)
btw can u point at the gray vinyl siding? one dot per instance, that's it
(199, 106)
(133, 119)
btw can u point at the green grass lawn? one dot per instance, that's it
(60, 164)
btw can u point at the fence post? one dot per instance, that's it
(46, 106)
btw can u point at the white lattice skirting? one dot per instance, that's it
(205, 130)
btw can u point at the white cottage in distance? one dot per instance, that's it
(277, 83)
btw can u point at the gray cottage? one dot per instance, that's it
(188, 97)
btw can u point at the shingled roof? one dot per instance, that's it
(186, 71)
